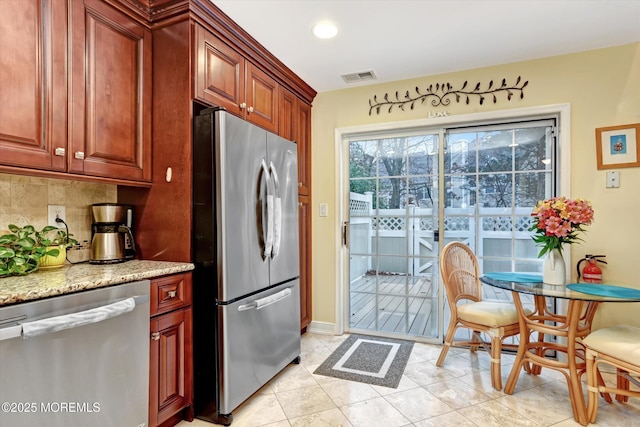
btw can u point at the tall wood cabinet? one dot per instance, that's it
(295, 125)
(75, 79)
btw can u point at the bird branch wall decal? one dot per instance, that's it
(442, 93)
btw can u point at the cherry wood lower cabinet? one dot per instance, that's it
(171, 351)
(304, 231)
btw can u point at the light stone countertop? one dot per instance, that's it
(81, 277)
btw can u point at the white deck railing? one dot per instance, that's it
(396, 235)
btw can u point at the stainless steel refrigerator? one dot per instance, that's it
(246, 281)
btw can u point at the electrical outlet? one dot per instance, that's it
(57, 211)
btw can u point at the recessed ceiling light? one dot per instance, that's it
(324, 30)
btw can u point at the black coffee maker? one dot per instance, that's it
(111, 233)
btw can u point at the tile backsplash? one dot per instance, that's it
(24, 200)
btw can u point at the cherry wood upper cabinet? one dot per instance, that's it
(223, 77)
(220, 73)
(304, 148)
(295, 125)
(33, 93)
(288, 127)
(110, 116)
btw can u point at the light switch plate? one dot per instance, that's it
(613, 179)
(323, 209)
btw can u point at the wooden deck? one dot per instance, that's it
(406, 305)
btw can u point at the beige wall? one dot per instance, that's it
(603, 89)
(24, 200)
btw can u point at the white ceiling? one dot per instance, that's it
(400, 39)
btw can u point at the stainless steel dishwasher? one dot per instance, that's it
(77, 360)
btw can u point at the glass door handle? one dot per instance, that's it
(345, 233)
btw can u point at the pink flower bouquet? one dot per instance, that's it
(558, 220)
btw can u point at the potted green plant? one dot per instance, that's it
(54, 239)
(22, 250)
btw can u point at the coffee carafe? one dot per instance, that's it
(112, 237)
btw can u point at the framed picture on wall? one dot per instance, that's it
(617, 146)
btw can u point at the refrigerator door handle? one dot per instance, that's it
(276, 181)
(277, 212)
(263, 302)
(268, 238)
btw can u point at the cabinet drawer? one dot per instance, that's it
(170, 293)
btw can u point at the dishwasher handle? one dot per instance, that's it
(73, 320)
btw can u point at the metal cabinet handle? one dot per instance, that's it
(59, 151)
(155, 336)
(250, 109)
(172, 294)
(79, 155)
(299, 184)
(243, 105)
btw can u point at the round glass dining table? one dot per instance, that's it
(534, 354)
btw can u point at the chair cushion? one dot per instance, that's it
(621, 342)
(489, 313)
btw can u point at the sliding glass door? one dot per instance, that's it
(393, 223)
(410, 194)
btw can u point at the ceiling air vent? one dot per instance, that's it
(359, 77)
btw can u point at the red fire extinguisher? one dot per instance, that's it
(591, 273)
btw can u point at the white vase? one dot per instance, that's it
(553, 268)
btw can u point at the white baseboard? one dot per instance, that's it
(322, 328)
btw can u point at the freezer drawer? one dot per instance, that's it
(260, 336)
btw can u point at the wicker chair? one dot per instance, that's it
(498, 320)
(618, 346)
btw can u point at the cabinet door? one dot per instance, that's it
(288, 116)
(262, 98)
(220, 73)
(170, 368)
(304, 148)
(111, 93)
(33, 81)
(304, 230)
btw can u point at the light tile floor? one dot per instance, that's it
(458, 394)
